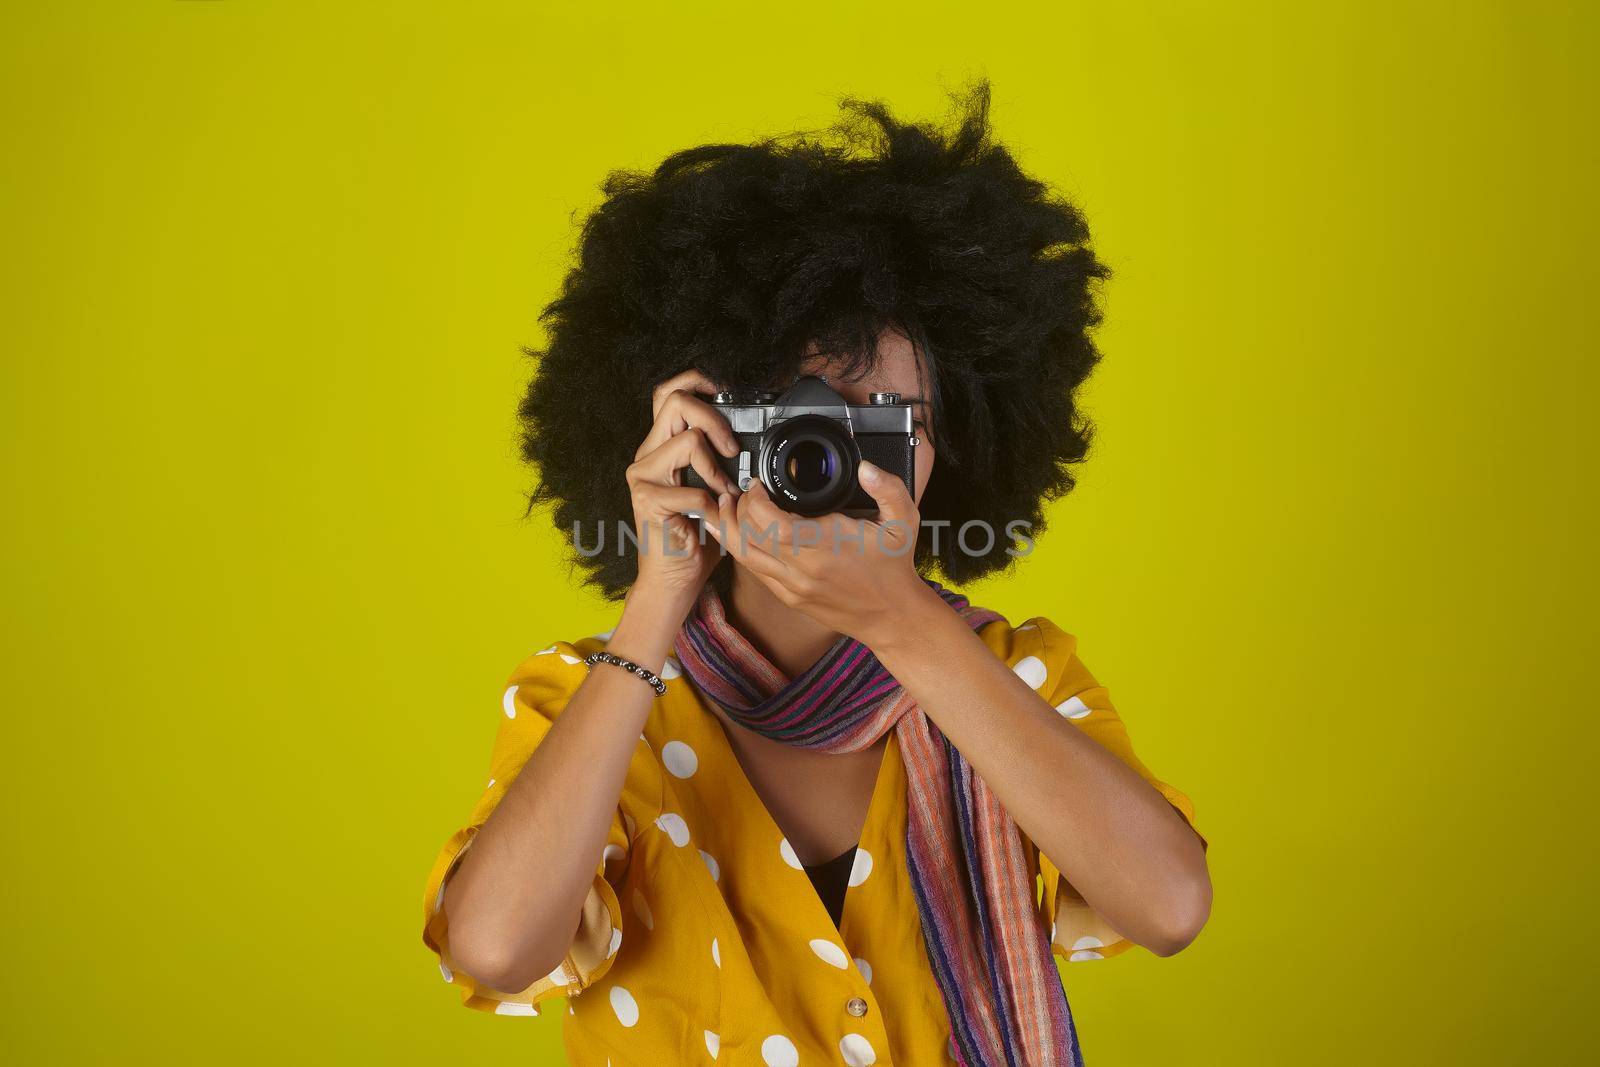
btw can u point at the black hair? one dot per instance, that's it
(733, 258)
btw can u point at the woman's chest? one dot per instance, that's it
(819, 800)
(723, 934)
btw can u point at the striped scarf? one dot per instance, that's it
(974, 890)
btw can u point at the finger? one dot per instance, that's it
(691, 380)
(681, 411)
(682, 533)
(687, 449)
(738, 543)
(894, 502)
(839, 534)
(756, 508)
(725, 528)
(663, 500)
(779, 586)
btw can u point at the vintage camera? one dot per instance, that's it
(806, 444)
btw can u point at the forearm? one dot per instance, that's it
(514, 902)
(1112, 834)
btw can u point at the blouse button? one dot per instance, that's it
(856, 1006)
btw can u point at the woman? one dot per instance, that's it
(815, 807)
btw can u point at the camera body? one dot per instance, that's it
(805, 446)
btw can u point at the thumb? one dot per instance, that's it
(894, 500)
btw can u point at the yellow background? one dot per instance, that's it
(267, 269)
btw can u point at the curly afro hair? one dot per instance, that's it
(735, 258)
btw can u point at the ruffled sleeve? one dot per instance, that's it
(1077, 931)
(536, 693)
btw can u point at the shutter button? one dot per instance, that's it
(856, 1006)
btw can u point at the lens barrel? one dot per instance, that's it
(808, 464)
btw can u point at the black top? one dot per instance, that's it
(831, 879)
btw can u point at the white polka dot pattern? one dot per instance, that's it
(857, 1051)
(1073, 708)
(679, 759)
(1031, 669)
(861, 868)
(626, 1008)
(675, 828)
(830, 953)
(660, 1007)
(779, 1051)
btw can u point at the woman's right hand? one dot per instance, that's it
(674, 561)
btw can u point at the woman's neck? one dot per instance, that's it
(791, 639)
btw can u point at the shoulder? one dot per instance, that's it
(536, 694)
(1038, 636)
(546, 678)
(1043, 654)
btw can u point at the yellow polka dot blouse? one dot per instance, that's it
(702, 938)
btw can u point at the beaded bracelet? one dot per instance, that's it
(628, 665)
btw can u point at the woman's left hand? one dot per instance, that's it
(856, 576)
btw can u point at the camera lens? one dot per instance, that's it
(808, 464)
